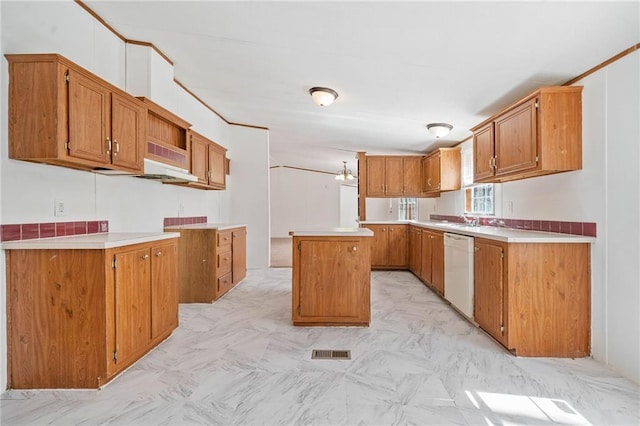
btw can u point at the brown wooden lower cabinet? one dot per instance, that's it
(432, 260)
(211, 261)
(534, 298)
(331, 281)
(78, 317)
(415, 249)
(389, 246)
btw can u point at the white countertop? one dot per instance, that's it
(90, 241)
(334, 232)
(218, 226)
(508, 235)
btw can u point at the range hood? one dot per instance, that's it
(155, 170)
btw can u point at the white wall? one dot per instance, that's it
(605, 191)
(27, 191)
(303, 200)
(348, 206)
(250, 191)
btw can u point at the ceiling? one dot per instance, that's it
(396, 65)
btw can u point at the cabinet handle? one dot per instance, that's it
(108, 145)
(158, 254)
(495, 162)
(429, 182)
(145, 257)
(117, 146)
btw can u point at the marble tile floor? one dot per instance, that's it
(240, 362)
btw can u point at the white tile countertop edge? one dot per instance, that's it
(218, 226)
(507, 235)
(103, 240)
(334, 232)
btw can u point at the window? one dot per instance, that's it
(407, 208)
(478, 199)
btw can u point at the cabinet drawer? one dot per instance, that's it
(224, 238)
(224, 284)
(224, 263)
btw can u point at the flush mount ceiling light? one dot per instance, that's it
(344, 174)
(439, 129)
(323, 96)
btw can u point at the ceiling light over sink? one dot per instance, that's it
(439, 129)
(323, 96)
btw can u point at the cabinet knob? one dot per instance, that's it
(158, 254)
(355, 248)
(204, 260)
(145, 257)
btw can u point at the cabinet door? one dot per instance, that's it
(437, 262)
(379, 245)
(217, 160)
(394, 177)
(239, 255)
(412, 175)
(489, 287)
(89, 119)
(128, 130)
(164, 288)
(515, 139)
(483, 153)
(397, 246)
(199, 158)
(132, 304)
(425, 268)
(415, 250)
(324, 268)
(434, 172)
(376, 177)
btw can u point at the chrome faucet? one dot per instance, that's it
(471, 220)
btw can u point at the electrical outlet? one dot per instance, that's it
(59, 208)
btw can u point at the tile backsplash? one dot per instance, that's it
(575, 228)
(30, 231)
(173, 221)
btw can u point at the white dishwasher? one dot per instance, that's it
(458, 272)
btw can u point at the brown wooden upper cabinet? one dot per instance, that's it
(166, 136)
(61, 114)
(541, 134)
(208, 162)
(393, 176)
(441, 171)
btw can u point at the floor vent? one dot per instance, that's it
(330, 354)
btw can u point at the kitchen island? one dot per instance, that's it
(331, 277)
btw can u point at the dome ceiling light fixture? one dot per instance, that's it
(323, 96)
(439, 129)
(344, 174)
